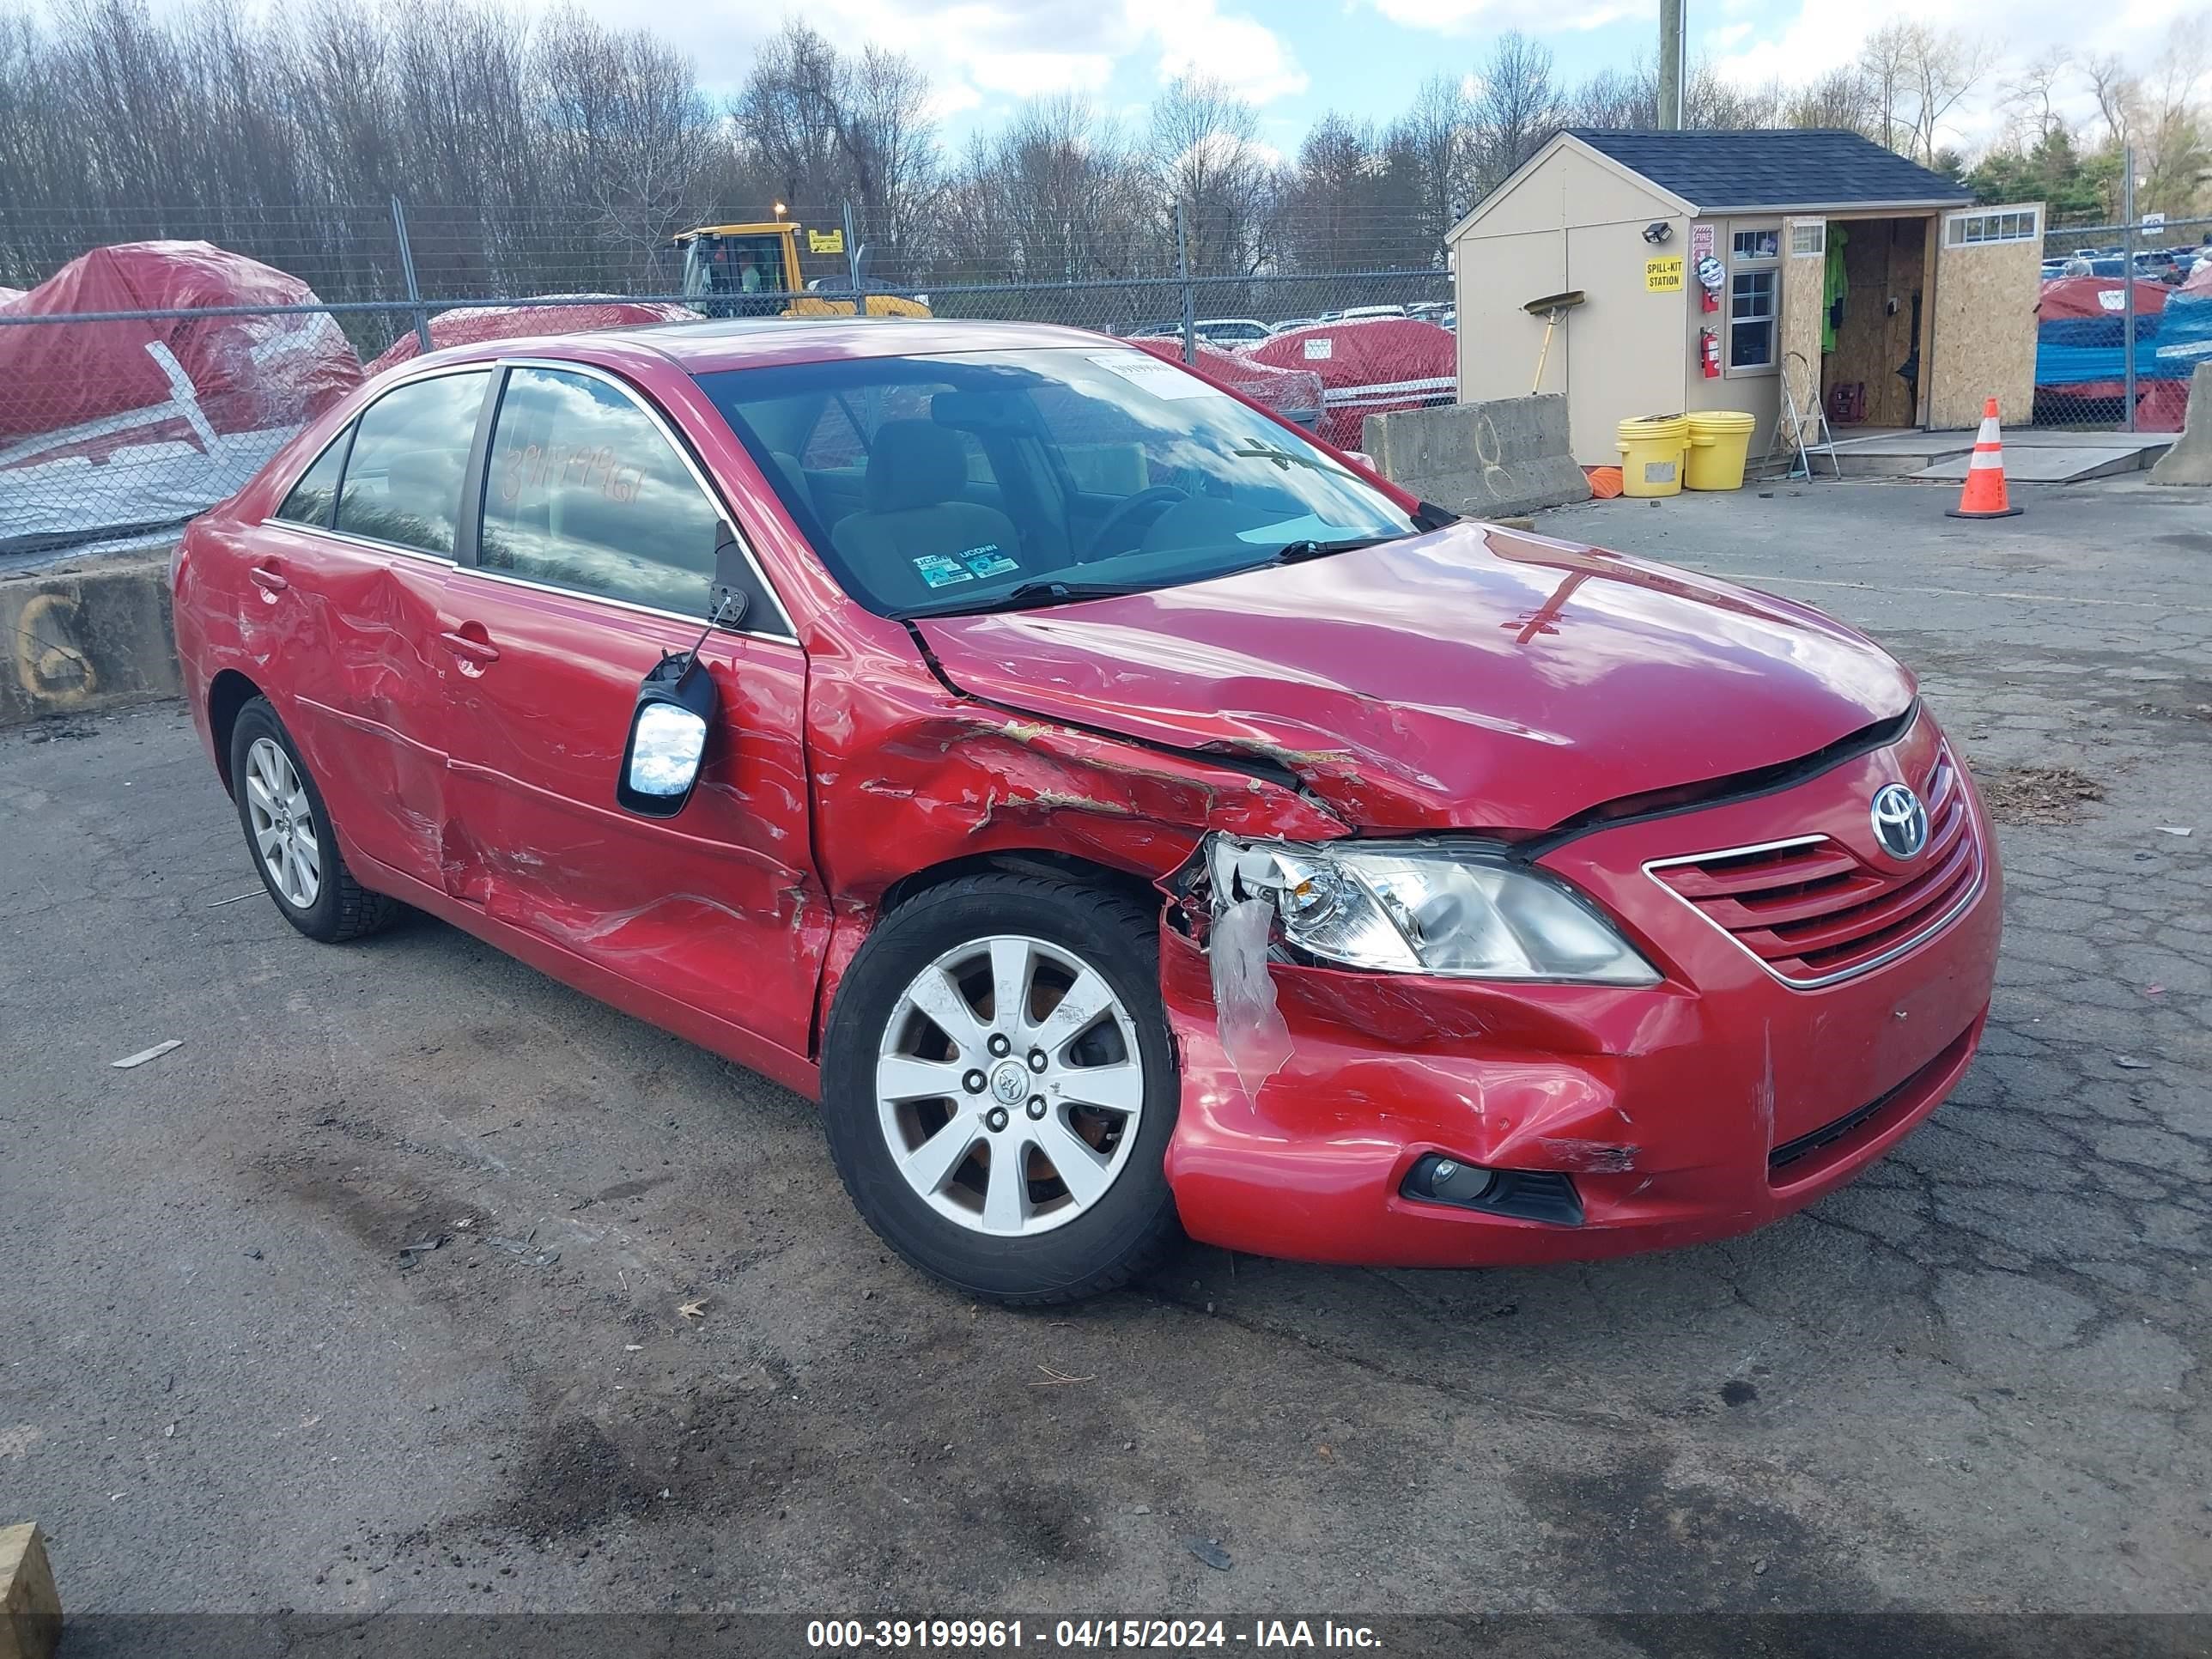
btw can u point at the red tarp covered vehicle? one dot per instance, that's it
(2096, 297)
(89, 389)
(473, 324)
(1293, 393)
(1369, 367)
(2080, 334)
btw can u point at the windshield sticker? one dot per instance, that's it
(1322, 350)
(939, 571)
(1163, 380)
(986, 560)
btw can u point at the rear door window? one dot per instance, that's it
(583, 490)
(403, 480)
(316, 492)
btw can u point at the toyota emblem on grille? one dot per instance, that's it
(1900, 822)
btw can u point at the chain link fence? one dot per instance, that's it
(2124, 318)
(166, 355)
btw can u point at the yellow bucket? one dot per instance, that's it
(1719, 439)
(1651, 450)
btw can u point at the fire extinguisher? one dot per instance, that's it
(1709, 348)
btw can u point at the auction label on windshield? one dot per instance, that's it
(988, 560)
(1160, 379)
(939, 571)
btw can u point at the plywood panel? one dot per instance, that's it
(1499, 342)
(1882, 267)
(1797, 338)
(1626, 340)
(1984, 325)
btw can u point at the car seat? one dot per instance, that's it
(911, 506)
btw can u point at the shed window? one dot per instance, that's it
(1751, 318)
(1808, 238)
(1757, 243)
(1971, 229)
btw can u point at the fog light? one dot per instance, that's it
(1525, 1194)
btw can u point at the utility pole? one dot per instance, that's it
(2128, 284)
(1670, 65)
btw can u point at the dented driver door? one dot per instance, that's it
(591, 560)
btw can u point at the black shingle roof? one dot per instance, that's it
(1788, 167)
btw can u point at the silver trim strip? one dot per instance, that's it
(366, 543)
(1903, 946)
(688, 619)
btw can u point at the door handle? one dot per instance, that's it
(470, 648)
(268, 580)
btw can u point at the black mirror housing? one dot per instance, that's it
(669, 726)
(730, 597)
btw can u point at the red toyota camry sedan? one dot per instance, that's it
(1122, 812)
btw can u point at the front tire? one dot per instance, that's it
(287, 831)
(1000, 1085)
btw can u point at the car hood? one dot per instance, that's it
(1471, 677)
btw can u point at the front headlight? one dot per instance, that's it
(1423, 909)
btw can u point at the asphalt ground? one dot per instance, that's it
(1973, 1382)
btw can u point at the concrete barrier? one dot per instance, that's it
(86, 635)
(1488, 460)
(2190, 460)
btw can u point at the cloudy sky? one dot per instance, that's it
(1294, 58)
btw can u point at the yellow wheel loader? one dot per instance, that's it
(752, 270)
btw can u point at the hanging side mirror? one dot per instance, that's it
(668, 731)
(677, 701)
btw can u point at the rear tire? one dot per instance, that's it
(288, 834)
(1045, 1181)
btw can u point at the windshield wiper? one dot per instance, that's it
(1027, 596)
(1299, 552)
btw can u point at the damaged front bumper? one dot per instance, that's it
(1404, 1120)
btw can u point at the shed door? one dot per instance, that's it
(1797, 335)
(1625, 350)
(1989, 265)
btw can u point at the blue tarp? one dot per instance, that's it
(2077, 351)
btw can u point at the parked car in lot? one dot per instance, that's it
(1120, 811)
(1230, 331)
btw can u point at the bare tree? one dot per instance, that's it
(1435, 136)
(1615, 99)
(1206, 155)
(1713, 102)
(2030, 95)
(890, 144)
(2117, 92)
(1839, 99)
(1515, 106)
(2170, 120)
(1885, 64)
(1941, 67)
(788, 114)
(1055, 196)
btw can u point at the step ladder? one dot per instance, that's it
(1802, 431)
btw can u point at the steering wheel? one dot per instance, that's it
(1159, 498)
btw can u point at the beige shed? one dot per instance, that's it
(1713, 264)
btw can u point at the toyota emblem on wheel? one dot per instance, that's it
(1900, 822)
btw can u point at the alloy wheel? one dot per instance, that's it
(1009, 1085)
(283, 825)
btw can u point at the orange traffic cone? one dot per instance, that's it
(1984, 497)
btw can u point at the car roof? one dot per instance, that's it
(708, 346)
